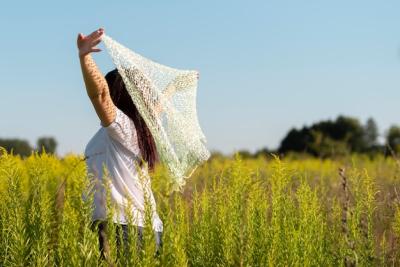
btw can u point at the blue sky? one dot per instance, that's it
(266, 66)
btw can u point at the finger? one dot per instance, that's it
(95, 34)
(80, 37)
(95, 50)
(96, 42)
(95, 38)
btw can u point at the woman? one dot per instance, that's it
(122, 144)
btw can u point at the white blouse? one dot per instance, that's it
(116, 146)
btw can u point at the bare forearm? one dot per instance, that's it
(96, 84)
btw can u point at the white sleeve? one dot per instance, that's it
(123, 130)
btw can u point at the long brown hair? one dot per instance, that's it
(123, 101)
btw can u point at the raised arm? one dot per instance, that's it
(96, 85)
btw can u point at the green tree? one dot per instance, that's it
(17, 146)
(48, 143)
(245, 154)
(350, 130)
(327, 138)
(324, 146)
(393, 138)
(297, 141)
(371, 134)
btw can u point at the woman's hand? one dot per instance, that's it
(86, 44)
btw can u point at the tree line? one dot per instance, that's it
(342, 136)
(24, 149)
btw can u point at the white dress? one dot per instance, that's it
(116, 148)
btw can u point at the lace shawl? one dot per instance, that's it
(166, 99)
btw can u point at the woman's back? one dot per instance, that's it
(116, 148)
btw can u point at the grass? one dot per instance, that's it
(233, 212)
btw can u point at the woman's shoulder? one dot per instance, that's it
(123, 130)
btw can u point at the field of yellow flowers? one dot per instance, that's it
(233, 212)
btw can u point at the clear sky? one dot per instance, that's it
(265, 66)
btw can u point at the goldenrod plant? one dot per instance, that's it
(233, 212)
